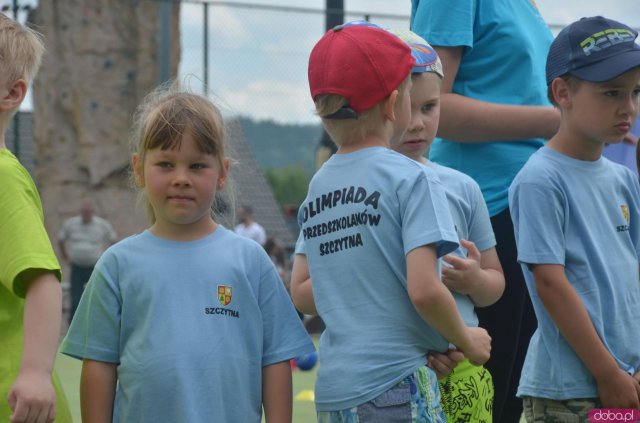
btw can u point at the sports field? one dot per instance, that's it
(303, 410)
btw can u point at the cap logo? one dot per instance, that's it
(604, 39)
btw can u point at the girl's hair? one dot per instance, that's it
(165, 116)
(347, 131)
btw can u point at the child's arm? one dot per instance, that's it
(436, 306)
(32, 392)
(97, 391)
(301, 287)
(277, 392)
(616, 388)
(479, 275)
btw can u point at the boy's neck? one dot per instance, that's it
(576, 146)
(2, 144)
(367, 142)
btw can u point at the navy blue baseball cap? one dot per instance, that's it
(594, 49)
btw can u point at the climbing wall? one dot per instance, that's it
(101, 61)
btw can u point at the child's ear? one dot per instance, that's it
(389, 106)
(138, 174)
(16, 92)
(222, 178)
(561, 92)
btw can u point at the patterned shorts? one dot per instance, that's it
(416, 399)
(545, 410)
(467, 394)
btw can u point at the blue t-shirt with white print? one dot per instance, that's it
(190, 325)
(364, 212)
(583, 215)
(471, 220)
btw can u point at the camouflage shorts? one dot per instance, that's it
(543, 410)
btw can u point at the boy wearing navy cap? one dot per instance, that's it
(577, 223)
(372, 228)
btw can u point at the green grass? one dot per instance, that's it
(69, 372)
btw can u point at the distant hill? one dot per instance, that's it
(276, 145)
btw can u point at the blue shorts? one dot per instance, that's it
(416, 399)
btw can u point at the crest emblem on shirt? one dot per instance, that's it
(625, 212)
(224, 294)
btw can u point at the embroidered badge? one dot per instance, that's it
(625, 212)
(224, 294)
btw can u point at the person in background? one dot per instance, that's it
(494, 115)
(82, 240)
(279, 258)
(248, 227)
(30, 293)
(581, 263)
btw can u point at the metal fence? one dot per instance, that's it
(254, 57)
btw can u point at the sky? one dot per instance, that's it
(258, 58)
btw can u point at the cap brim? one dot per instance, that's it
(609, 68)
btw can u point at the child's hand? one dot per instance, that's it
(32, 398)
(463, 276)
(619, 390)
(479, 346)
(443, 364)
(637, 377)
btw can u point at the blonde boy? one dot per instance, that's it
(30, 294)
(577, 222)
(472, 272)
(372, 228)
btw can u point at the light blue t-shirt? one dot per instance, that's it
(364, 212)
(190, 324)
(471, 220)
(506, 44)
(584, 216)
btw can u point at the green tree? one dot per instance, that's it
(289, 184)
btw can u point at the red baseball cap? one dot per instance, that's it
(359, 61)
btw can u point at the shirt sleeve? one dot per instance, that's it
(24, 241)
(284, 336)
(300, 245)
(539, 231)
(111, 233)
(444, 23)
(426, 218)
(479, 225)
(94, 333)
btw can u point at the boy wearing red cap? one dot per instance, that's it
(372, 228)
(577, 225)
